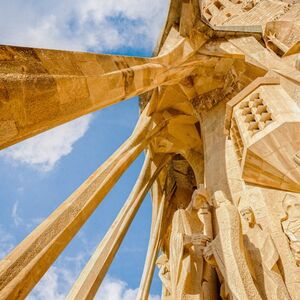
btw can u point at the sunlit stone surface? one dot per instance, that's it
(220, 124)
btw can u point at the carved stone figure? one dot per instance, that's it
(186, 249)
(210, 259)
(291, 223)
(234, 63)
(209, 278)
(263, 259)
(248, 5)
(226, 252)
(164, 274)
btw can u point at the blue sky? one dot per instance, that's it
(40, 173)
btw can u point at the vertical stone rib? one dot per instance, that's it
(92, 275)
(27, 263)
(152, 252)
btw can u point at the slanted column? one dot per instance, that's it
(41, 89)
(27, 263)
(51, 87)
(153, 247)
(92, 275)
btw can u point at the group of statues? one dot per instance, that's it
(192, 251)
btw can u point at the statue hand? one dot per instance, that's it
(200, 239)
(187, 240)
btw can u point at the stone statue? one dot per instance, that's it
(187, 242)
(164, 274)
(263, 258)
(291, 223)
(226, 252)
(210, 259)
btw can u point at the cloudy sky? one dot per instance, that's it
(38, 174)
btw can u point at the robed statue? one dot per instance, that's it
(187, 242)
(291, 223)
(263, 258)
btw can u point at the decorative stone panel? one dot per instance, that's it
(265, 129)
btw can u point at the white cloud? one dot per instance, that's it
(81, 25)
(43, 151)
(51, 287)
(114, 289)
(6, 242)
(98, 25)
(57, 281)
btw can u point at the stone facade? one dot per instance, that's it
(220, 124)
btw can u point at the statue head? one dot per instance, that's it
(248, 215)
(199, 197)
(162, 261)
(291, 205)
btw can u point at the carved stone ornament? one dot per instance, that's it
(291, 223)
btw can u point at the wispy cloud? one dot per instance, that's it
(7, 242)
(15, 215)
(43, 151)
(19, 221)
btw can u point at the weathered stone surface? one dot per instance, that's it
(221, 99)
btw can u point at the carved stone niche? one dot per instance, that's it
(265, 128)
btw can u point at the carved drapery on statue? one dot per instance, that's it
(263, 258)
(291, 224)
(226, 251)
(164, 275)
(233, 61)
(186, 251)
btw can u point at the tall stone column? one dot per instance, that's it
(159, 200)
(92, 275)
(41, 88)
(27, 263)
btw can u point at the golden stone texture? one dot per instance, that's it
(220, 124)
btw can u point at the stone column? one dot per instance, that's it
(51, 87)
(92, 275)
(154, 244)
(27, 263)
(41, 88)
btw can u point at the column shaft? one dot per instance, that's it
(27, 263)
(92, 275)
(41, 89)
(152, 252)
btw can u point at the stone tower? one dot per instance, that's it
(220, 126)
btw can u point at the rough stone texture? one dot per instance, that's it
(221, 99)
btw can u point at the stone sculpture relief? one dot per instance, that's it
(213, 56)
(186, 250)
(164, 274)
(263, 258)
(210, 259)
(291, 223)
(249, 4)
(237, 284)
(209, 275)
